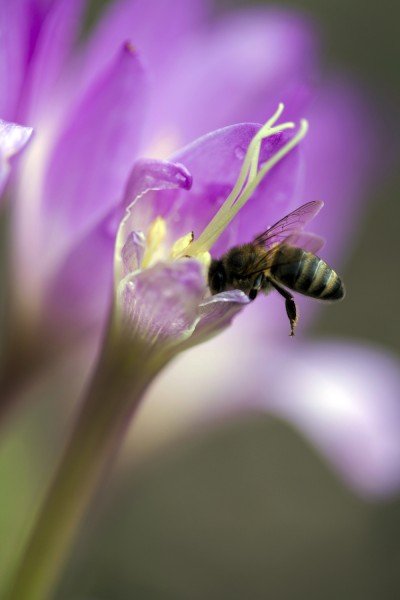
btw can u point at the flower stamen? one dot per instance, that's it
(249, 178)
(180, 245)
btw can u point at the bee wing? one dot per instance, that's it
(299, 239)
(307, 241)
(291, 224)
(268, 259)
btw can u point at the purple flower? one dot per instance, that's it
(143, 85)
(161, 276)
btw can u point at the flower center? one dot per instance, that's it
(155, 248)
(155, 238)
(250, 176)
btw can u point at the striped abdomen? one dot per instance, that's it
(306, 273)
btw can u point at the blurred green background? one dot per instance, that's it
(247, 510)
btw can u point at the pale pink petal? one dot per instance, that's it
(161, 303)
(13, 138)
(344, 397)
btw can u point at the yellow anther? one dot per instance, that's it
(179, 247)
(154, 240)
(182, 245)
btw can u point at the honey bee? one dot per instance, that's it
(281, 257)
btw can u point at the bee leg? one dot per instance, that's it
(256, 286)
(290, 305)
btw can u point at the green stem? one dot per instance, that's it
(113, 395)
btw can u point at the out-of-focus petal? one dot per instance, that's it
(92, 159)
(214, 162)
(160, 304)
(155, 27)
(52, 51)
(341, 152)
(13, 138)
(14, 46)
(21, 23)
(344, 398)
(238, 69)
(80, 291)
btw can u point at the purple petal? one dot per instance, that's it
(80, 289)
(92, 159)
(345, 398)
(151, 175)
(133, 251)
(21, 22)
(52, 51)
(341, 152)
(214, 162)
(161, 303)
(79, 293)
(13, 138)
(236, 70)
(217, 313)
(14, 46)
(154, 26)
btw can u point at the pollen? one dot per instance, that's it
(182, 244)
(155, 246)
(179, 247)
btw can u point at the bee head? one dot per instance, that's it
(216, 277)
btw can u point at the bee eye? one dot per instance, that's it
(217, 277)
(218, 282)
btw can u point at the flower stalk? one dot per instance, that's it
(119, 381)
